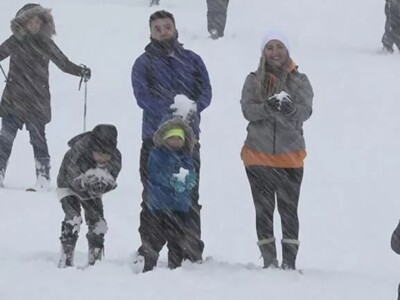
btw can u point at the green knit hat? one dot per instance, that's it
(179, 132)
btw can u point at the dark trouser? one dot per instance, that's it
(265, 183)
(195, 247)
(161, 228)
(392, 30)
(94, 217)
(216, 15)
(9, 128)
(391, 36)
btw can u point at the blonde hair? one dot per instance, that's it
(268, 84)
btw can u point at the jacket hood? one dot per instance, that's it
(29, 11)
(172, 122)
(82, 138)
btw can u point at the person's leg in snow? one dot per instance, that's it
(194, 252)
(97, 228)
(263, 186)
(70, 228)
(216, 17)
(152, 232)
(8, 132)
(288, 193)
(41, 153)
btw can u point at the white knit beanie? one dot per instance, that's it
(275, 35)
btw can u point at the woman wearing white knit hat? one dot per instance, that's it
(276, 100)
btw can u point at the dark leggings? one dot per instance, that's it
(265, 183)
(8, 132)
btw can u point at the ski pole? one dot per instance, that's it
(4, 73)
(85, 79)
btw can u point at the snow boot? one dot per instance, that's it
(150, 259)
(268, 253)
(67, 256)
(42, 174)
(95, 254)
(290, 247)
(69, 236)
(214, 34)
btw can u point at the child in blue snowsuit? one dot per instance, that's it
(170, 181)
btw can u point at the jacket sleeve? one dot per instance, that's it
(5, 49)
(141, 90)
(62, 61)
(253, 110)
(204, 99)
(69, 172)
(395, 240)
(116, 165)
(303, 100)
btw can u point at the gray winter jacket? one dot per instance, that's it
(77, 161)
(275, 133)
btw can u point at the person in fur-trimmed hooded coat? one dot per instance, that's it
(170, 182)
(26, 97)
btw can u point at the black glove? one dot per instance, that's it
(287, 106)
(86, 73)
(273, 104)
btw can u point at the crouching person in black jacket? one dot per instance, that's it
(89, 170)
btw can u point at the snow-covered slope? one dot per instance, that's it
(350, 197)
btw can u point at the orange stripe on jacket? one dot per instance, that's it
(251, 157)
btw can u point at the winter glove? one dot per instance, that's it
(95, 186)
(86, 73)
(190, 181)
(287, 106)
(177, 184)
(273, 104)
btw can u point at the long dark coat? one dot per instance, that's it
(27, 94)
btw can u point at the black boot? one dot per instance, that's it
(290, 248)
(150, 260)
(68, 238)
(96, 247)
(42, 173)
(95, 254)
(268, 252)
(67, 255)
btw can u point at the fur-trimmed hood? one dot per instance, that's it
(172, 122)
(29, 11)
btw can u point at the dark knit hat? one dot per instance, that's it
(104, 138)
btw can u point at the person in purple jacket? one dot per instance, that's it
(163, 71)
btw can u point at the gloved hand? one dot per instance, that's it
(86, 73)
(287, 106)
(95, 186)
(177, 184)
(273, 104)
(190, 181)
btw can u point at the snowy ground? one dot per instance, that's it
(350, 197)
